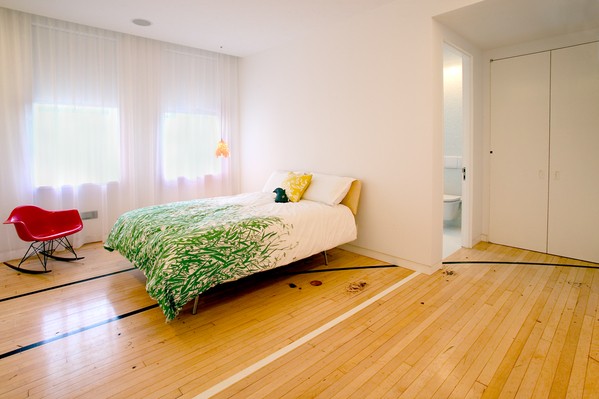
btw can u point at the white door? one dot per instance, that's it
(520, 151)
(573, 228)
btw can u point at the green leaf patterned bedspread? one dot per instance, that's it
(185, 248)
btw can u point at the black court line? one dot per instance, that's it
(115, 318)
(343, 268)
(77, 331)
(65, 285)
(487, 262)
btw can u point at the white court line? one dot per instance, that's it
(221, 386)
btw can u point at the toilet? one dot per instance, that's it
(451, 206)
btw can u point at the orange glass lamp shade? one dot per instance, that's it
(222, 149)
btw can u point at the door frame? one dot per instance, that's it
(467, 137)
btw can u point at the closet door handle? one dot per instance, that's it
(556, 175)
(541, 174)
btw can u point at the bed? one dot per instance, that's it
(185, 248)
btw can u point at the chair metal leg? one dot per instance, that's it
(44, 250)
(64, 241)
(38, 249)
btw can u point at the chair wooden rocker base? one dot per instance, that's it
(47, 231)
(44, 250)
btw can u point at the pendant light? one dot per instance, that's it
(222, 149)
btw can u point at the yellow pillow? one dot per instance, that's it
(295, 185)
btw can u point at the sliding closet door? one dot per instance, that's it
(573, 229)
(520, 150)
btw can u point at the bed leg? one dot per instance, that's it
(195, 305)
(326, 258)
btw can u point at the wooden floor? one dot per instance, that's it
(467, 331)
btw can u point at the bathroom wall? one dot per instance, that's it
(453, 120)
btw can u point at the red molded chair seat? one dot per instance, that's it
(46, 230)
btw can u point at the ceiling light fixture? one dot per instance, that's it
(222, 149)
(141, 22)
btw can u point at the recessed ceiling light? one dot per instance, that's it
(141, 22)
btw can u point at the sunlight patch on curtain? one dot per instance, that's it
(75, 145)
(188, 145)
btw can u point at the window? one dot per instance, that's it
(191, 121)
(75, 126)
(188, 145)
(73, 145)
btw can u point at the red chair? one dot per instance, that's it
(47, 231)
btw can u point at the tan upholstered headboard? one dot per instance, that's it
(352, 198)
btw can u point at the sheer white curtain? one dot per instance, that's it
(107, 122)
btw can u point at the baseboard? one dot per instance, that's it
(408, 264)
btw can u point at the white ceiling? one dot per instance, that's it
(244, 27)
(236, 27)
(497, 23)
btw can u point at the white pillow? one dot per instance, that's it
(275, 180)
(328, 189)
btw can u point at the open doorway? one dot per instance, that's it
(456, 159)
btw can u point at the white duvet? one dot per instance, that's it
(317, 227)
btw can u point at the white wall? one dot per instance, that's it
(363, 99)
(453, 125)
